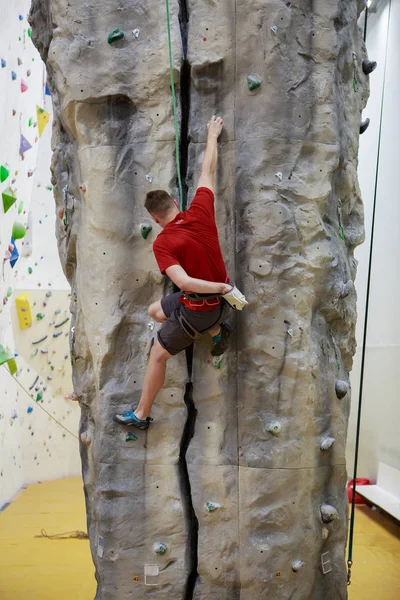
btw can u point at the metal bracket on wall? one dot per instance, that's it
(151, 572)
(326, 563)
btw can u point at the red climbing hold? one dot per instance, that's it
(24, 87)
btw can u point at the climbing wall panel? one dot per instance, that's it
(237, 489)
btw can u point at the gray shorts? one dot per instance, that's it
(172, 337)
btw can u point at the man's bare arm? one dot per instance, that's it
(178, 275)
(211, 154)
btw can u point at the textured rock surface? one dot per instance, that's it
(261, 440)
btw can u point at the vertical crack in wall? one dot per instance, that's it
(189, 429)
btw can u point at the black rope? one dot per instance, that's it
(364, 344)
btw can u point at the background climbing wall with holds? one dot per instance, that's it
(239, 491)
(32, 446)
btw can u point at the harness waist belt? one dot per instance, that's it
(199, 297)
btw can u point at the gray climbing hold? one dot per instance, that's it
(149, 177)
(136, 32)
(275, 428)
(297, 565)
(211, 506)
(347, 288)
(341, 388)
(279, 176)
(145, 229)
(274, 29)
(328, 513)
(160, 548)
(364, 125)
(327, 443)
(368, 66)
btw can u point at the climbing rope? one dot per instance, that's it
(175, 109)
(68, 535)
(364, 344)
(40, 406)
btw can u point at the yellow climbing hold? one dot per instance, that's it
(23, 311)
(43, 117)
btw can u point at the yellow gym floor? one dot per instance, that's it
(42, 569)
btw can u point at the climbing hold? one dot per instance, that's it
(30, 409)
(279, 176)
(18, 231)
(131, 437)
(368, 66)
(149, 177)
(151, 325)
(364, 125)
(14, 254)
(160, 548)
(23, 311)
(28, 73)
(275, 428)
(85, 438)
(56, 335)
(24, 86)
(13, 75)
(341, 388)
(4, 173)
(40, 316)
(217, 361)
(325, 533)
(290, 332)
(328, 513)
(9, 199)
(47, 91)
(211, 506)
(49, 294)
(7, 357)
(39, 397)
(40, 340)
(274, 29)
(24, 145)
(9, 292)
(30, 270)
(145, 229)
(253, 82)
(29, 32)
(19, 62)
(327, 443)
(136, 32)
(347, 288)
(297, 565)
(62, 323)
(21, 18)
(115, 35)
(3, 63)
(43, 117)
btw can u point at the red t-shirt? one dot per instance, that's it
(191, 241)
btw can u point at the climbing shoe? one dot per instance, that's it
(129, 418)
(221, 345)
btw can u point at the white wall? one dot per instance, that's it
(32, 446)
(381, 406)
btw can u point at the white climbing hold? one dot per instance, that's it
(274, 29)
(327, 443)
(328, 513)
(211, 506)
(297, 565)
(136, 32)
(325, 533)
(160, 548)
(149, 177)
(279, 175)
(341, 388)
(150, 326)
(290, 332)
(347, 288)
(275, 428)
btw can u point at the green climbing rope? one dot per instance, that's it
(174, 104)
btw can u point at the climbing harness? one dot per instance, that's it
(174, 105)
(362, 371)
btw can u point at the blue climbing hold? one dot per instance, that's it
(47, 91)
(3, 63)
(13, 75)
(21, 18)
(30, 409)
(14, 254)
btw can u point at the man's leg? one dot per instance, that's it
(153, 380)
(156, 312)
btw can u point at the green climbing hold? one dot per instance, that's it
(9, 198)
(5, 355)
(115, 35)
(145, 229)
(131, 437)
(30, 32)
(12, 365)
(4, 173)
(30, 270)
(30, 122)
(20, 207)
(341, 232)
(160, 548)
(40, 316)
(253, 82)
(18, 231)
(355, 85)
(9, 292)
(39, 397)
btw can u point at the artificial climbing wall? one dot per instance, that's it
(237, 490)
(33, 447)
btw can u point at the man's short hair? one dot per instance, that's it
(159, 203)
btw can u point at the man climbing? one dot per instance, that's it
(188, 251)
